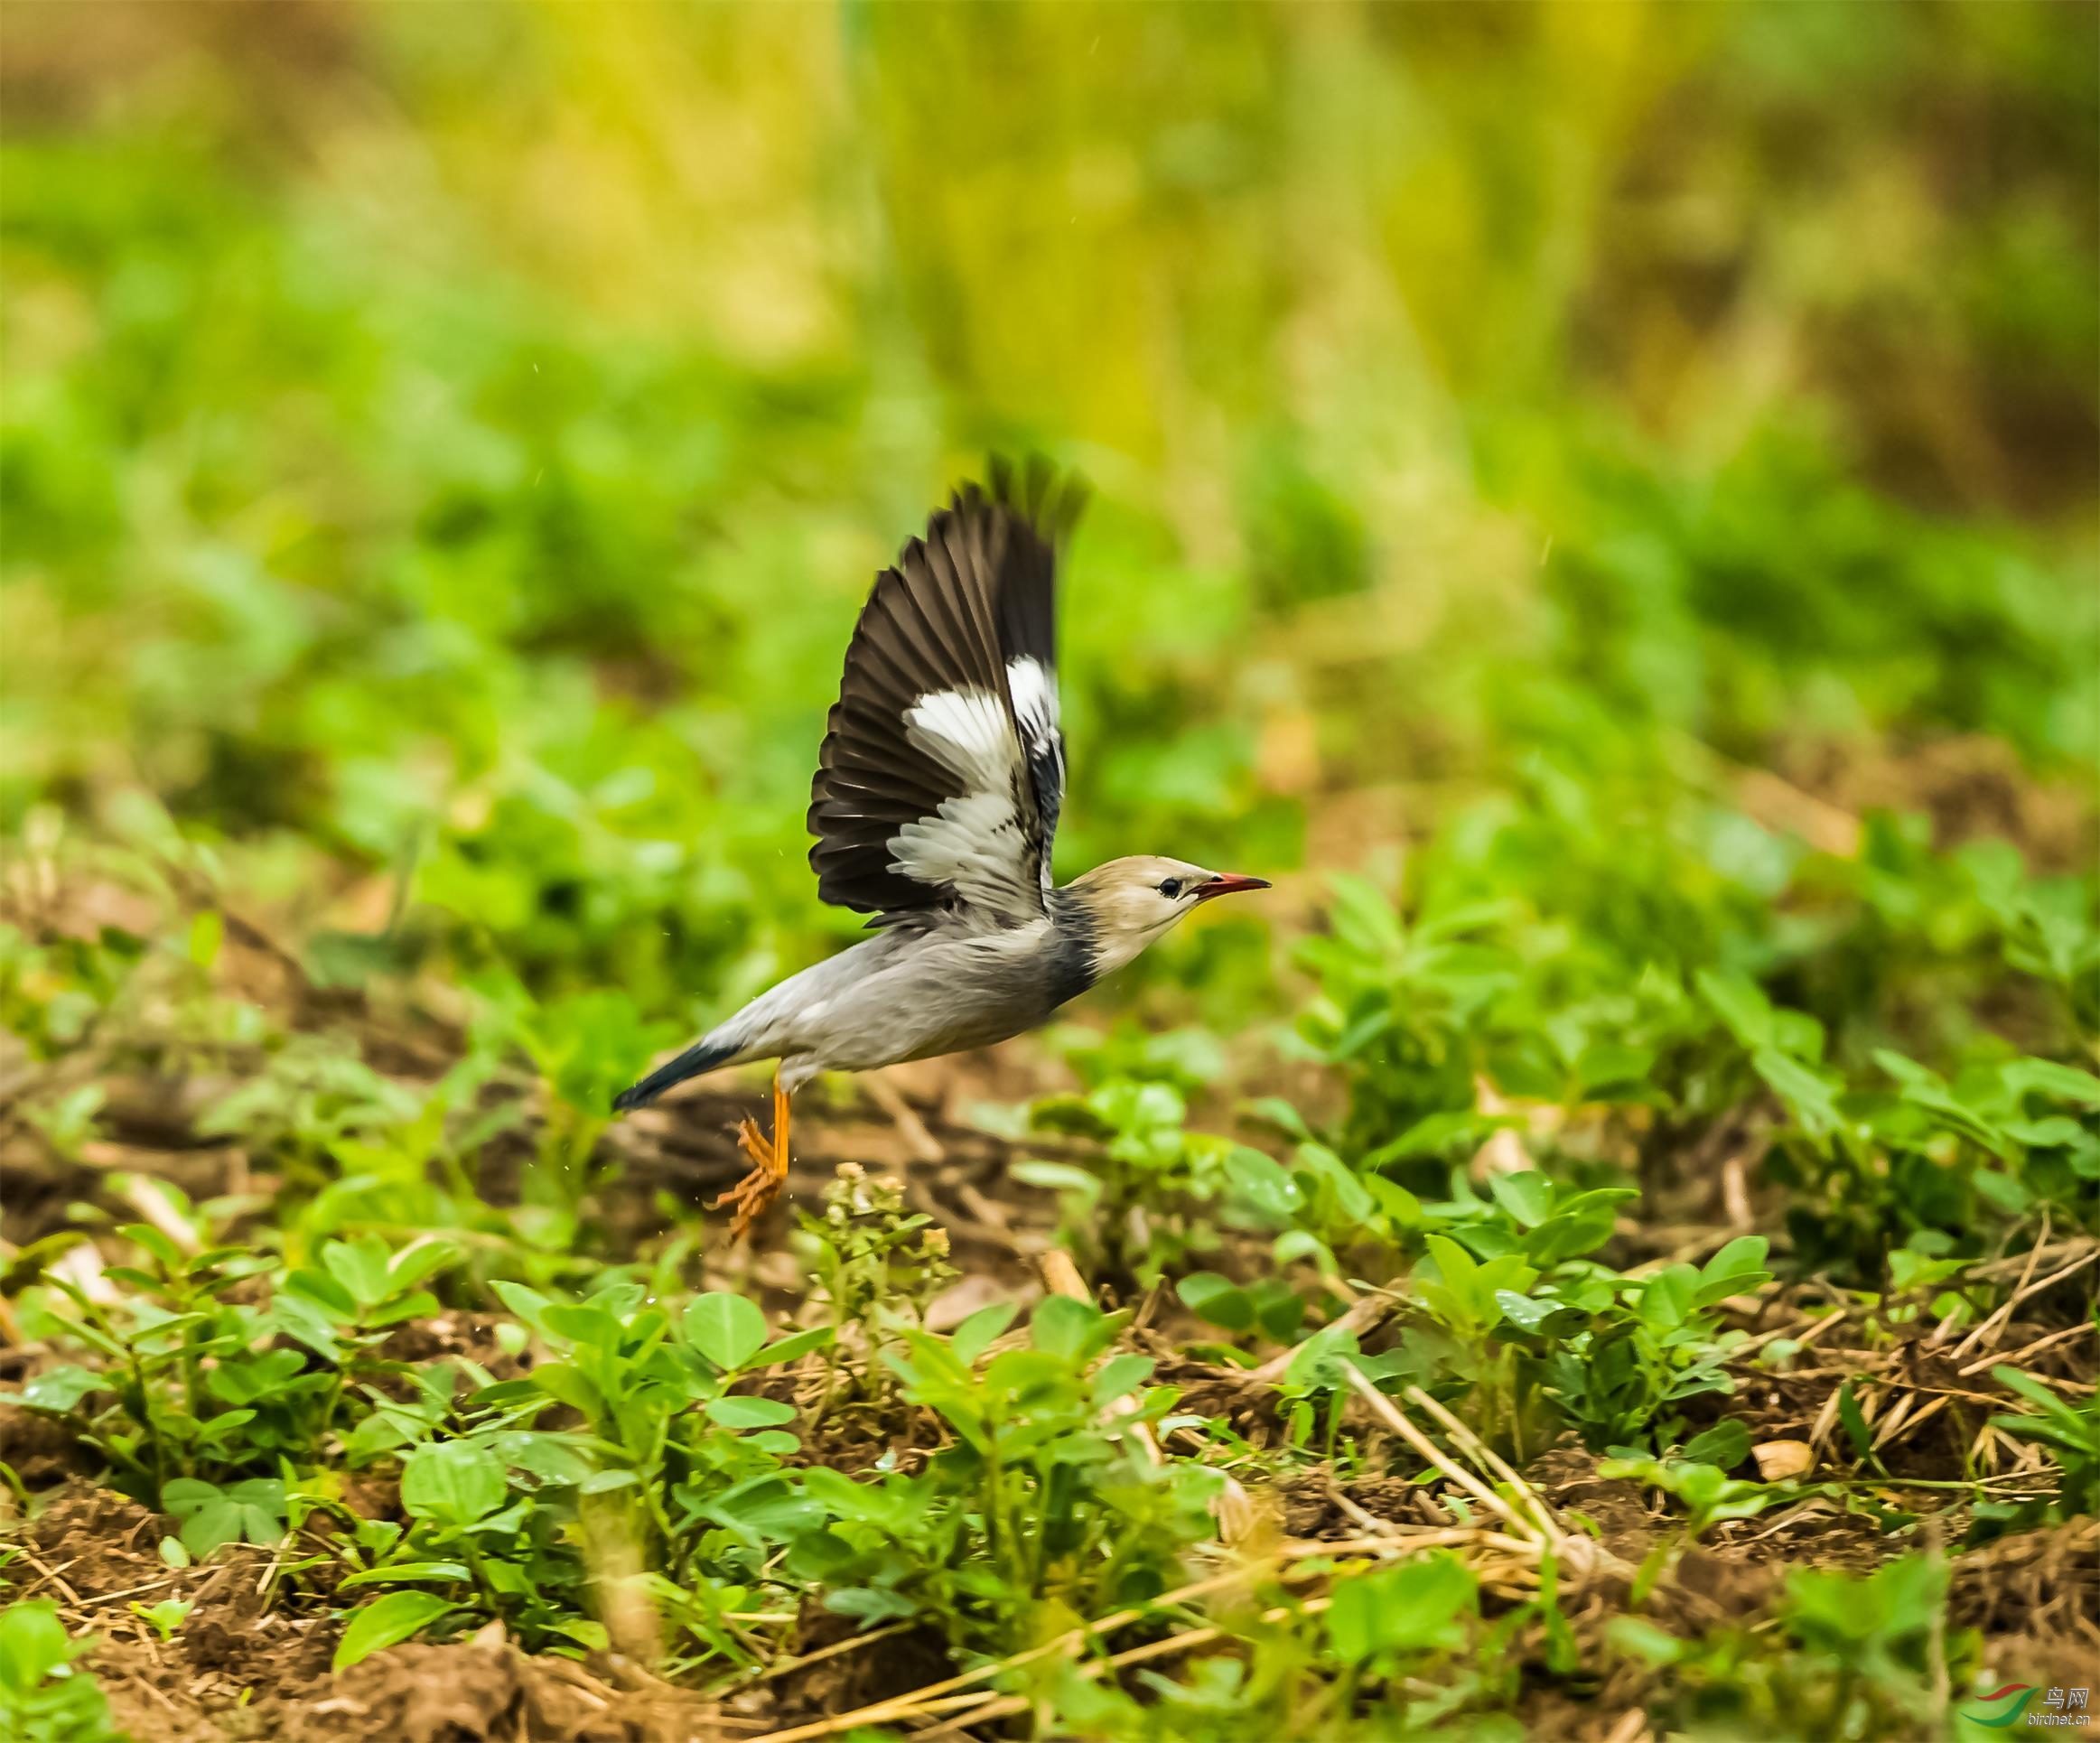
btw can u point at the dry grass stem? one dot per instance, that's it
(1390, 1413)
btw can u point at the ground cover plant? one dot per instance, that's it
(1610, 1252)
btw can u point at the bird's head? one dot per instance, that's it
(1128, 903)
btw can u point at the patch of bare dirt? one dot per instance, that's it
(1971, 787)
(838, 1677)
(234, 1661)
(484, 1691)
(1567, 1477)
(39, 1450)
(93, 1542)
(2044, 1584)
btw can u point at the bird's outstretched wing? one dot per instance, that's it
(943, 769)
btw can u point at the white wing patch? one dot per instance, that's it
(1035, 701)
(1034, 690)
(974, 842)
(965, 731)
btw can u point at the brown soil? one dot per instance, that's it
(486, 1690)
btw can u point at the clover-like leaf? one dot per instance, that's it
(727, 1329)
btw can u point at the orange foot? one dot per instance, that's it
(750, 1196)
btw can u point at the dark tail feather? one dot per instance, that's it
(704, 1055)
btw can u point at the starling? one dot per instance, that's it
(936, 800)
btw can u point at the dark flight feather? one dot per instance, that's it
(976, 594)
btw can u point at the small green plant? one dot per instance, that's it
(474, 1547)
(180, 1363)
(313, 1092)
(1630, 1353)
(1854, 1657)
(44, 1696)
(253, 1511)
(1874, 1639)
(1708, 1493)
(163, 1617)
(197, 1389)
(1383, 1625)
(1044, 1504)
(876, 1270)
(1153, 1195)
(674, 1487)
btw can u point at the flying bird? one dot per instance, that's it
(936, 800)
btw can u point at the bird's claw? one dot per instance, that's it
(750, 1196)
(757, 1147)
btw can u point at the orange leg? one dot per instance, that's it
(750, 1196)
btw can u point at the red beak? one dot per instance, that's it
(1227, 883)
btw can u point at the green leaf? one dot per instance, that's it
(568, 1383)
(360, 1266)
(456, 1482)
(1742, 1005)
(1317, 1364)
(976, 1334)
(1261, 1185)
(727, 1329)
(1414, 1607)
(1579, 1224)
(417, 1260)
(870, 1604)
(1643, 1640)
(404, 1574)
(1275, 1111)
(320, 1290)
(388, 1622)
(155, 1243)
(1454, 1264)
(1667, 1298)
(1217, 1299)
(1737, 1269)
(1810, 1097)
(249, 1512)
(1726, 1444)
(1854, 1422)
(1527, 1197)
(739, 1412)
(33, 1644)
(1058, 1177)
(1120, 1374)
(2066, 1082)
(59, 1389)
(2004, 1192)
(2075, 1429)
(793, 1346)
(529, 1304)
(1606, 1065)
(1528, 1312)
(1063, 1326)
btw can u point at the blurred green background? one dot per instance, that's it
(445, 446)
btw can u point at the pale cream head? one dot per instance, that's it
(1129, 902)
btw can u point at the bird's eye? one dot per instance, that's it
(1171, 889)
